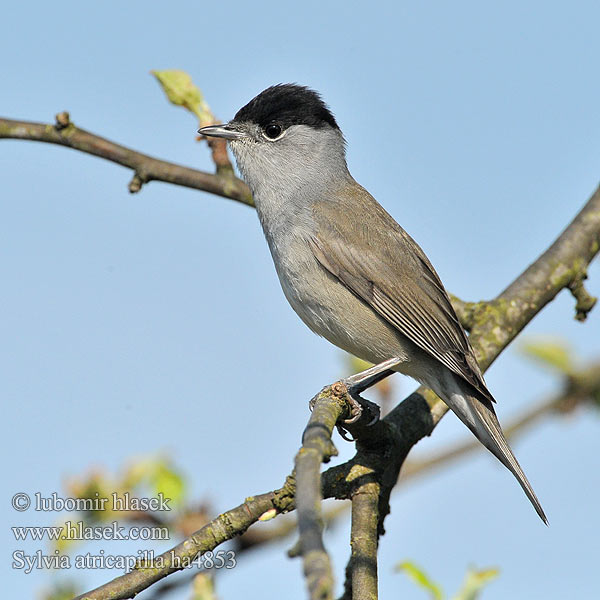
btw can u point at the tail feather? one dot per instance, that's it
(477, 413)
(499, 447)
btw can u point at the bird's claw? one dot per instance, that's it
(344, 434)
(358, 404)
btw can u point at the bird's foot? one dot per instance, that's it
(355, 384)
(352, 387)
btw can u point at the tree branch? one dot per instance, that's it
(146, 168)
(223, 528)
(364, 542)
(317, 448)
(583, 386)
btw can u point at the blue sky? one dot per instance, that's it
(155, 322)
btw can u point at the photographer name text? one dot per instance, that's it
(115, 502)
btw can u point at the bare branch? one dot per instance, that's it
(146, 168)
(219, 530)
(317, 448)
(364, 541)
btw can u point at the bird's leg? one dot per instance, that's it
(365, 379)
(360, 382)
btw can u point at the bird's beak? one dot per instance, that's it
(227, 131)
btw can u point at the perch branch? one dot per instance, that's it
(317, 448)
(145, 168)
(223, 528)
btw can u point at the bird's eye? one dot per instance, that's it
(273, 131)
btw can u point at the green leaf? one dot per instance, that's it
(552, 353)
(159, 474)
(168, 482)
(474, 582)
(181, 91)
(421, 579)
(139, 472)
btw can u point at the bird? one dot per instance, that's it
(347, 268)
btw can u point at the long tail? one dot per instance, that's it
(477, 413)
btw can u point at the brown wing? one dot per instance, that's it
(361, 245)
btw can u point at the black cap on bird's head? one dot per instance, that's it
(288, 104)
(275, 109)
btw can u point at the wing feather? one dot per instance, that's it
(390, 272)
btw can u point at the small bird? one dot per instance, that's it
(350, 272)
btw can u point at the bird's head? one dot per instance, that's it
(283, 137)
